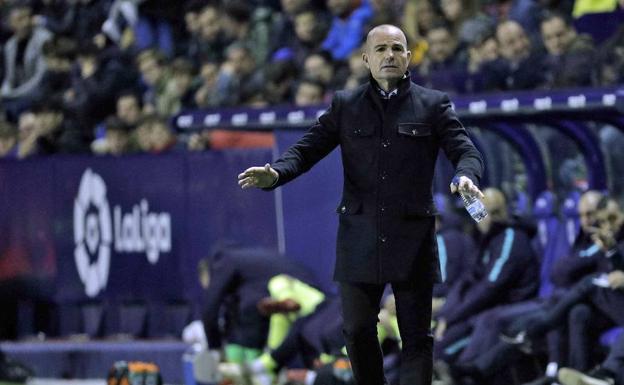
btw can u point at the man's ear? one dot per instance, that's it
(409, 56)
(365, 59)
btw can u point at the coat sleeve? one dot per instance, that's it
(569, 269)
(315, 144)
(456, 144)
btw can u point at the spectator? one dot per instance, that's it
(78, 20)
(129, 108)
(310, 31)
(570, 56)
(611, 61)
(156, 25)
(49, 132)
(178, 93)
(208, 74)
(95, 83)
(117, 140)
(207, 43)
(456, 12)
(59, 54)
(418, 17)
(278, 80)
(8, 140)
(441, 65)
(319, 66)
(154, 74)
(24, 64)
(154, 136)
(309, 92)
(483, 49)
(518, 67)
(358, 73)
(234, 75)
(350, 18)
(252, 27)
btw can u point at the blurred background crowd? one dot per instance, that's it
(106, 76)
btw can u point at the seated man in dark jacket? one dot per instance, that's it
(507, 272)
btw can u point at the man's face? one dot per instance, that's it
(150, 70)
(451, 9)
(209, 25)
(317, 68)
(386, 54)
(513, 42)
(308, 94)
(557, 36)
(242, 60)
(117, 141)
(20, 21)
(305, 24)
(441, 44)
(128, 110)
(587, 213)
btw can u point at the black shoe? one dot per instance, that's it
(598, 376)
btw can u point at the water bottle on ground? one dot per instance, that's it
(473, 205)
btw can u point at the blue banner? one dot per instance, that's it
(128, 228)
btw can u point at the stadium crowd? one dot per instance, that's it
(104, 76)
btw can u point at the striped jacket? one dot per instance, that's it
(506, 271)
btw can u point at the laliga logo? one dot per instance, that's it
(92, 233)
(136, 232)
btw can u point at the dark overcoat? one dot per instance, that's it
(389, 149)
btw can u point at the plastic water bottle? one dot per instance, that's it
(473, 205)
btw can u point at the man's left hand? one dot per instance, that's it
(465, 185)
(616, 279)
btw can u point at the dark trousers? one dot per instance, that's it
(360, 307)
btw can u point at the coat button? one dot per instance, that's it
(383, 238)
(357, 131)
(343, 209)
(385, 143)
(383, 176)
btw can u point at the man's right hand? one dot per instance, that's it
(261, 177)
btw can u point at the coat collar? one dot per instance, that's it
(378, 94)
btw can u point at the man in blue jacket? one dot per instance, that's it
(506, 272)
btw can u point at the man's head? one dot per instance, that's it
(182, 74)
(192, 10)
(442, 43)
(310, 92)
(557, 34)
(496, 206)
(241, 58)
(59, 53)
(128, 108)
(236, 18)
(49, 116)
(20, 19)
(117, 136)
(319, 66)
(151, 65)
(306, 26)
(483, 49)
(587, 206)
(514, 45)
(339, 7)
(609, 215)
(386, 54)
(208, 25)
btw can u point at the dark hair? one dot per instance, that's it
(325, 55)
(113, 123)
(238, 10)
(441, 24)
(131, 94)
(48, 105)
(182, 66)
(550, 15)
(197, 5)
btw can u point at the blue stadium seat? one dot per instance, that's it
(548, 234)
(569, 211)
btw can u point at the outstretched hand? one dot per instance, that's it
(261, 177)
(465, 185)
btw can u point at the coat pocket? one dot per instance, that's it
(349, 207)
(414, 129)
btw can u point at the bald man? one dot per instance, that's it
(390, 131)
